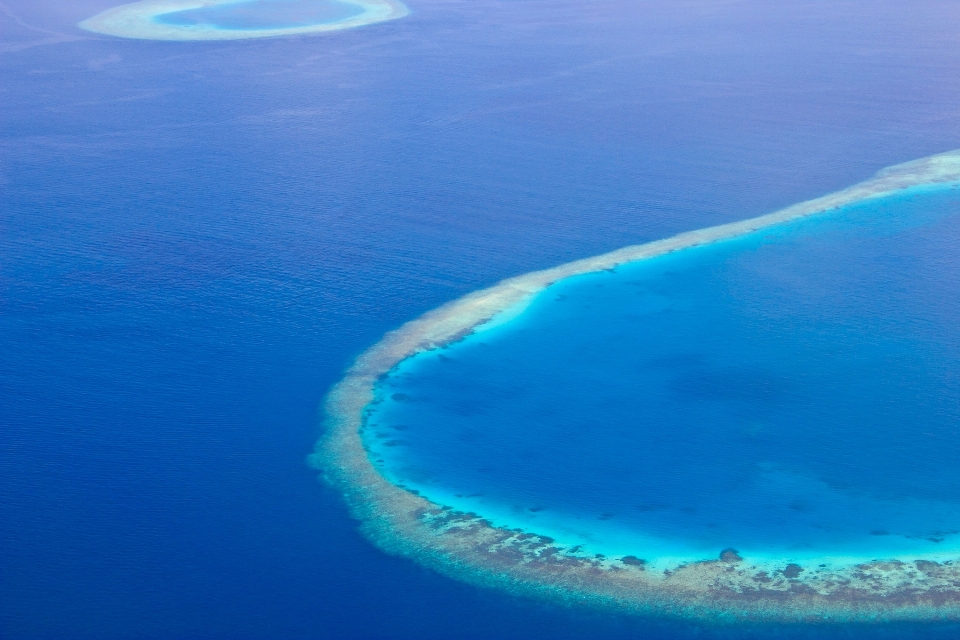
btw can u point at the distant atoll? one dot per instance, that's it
(728, 587)
(142, 20)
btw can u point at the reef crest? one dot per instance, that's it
(728, 587)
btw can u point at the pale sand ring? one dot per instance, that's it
(137, 20)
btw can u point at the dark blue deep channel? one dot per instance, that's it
(794, 394)
(198, 238)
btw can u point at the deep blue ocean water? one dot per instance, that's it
(197, 238)
(792, 394)
(264, 14)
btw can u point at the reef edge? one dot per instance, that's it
(728, 588)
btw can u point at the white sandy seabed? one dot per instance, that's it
(729, 588)
(138, 20)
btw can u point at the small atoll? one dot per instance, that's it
(729, 586)
(146, 20)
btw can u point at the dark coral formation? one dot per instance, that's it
(730, 584)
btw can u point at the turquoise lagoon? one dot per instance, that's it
(264, 14)
(793, 393)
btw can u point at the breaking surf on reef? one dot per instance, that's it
(756, 420)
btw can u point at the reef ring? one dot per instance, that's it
(729, 588)
(139, 20)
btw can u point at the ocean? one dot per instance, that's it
(198, 238)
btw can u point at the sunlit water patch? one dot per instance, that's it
(793, 393)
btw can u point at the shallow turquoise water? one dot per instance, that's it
(791, 393)
(265, 14)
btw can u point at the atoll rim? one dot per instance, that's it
(727, 585)
(239, 19)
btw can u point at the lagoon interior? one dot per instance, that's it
(793, 394)
(264, 14)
